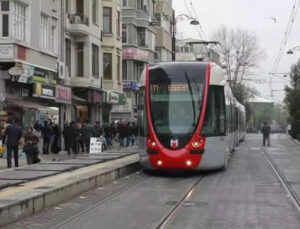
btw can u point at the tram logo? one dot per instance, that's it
(174, 143)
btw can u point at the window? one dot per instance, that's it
(80, 59)
(107, 66)
(4, 19)
(107, 20)
(124, 33)
(118, 68)
(124, 2)
(124, 69)
(19, 21)
(79, 7)
(215, 118)
(142, 5)
(95, 61)
(94, 12)
(118, 24)
(141, 33)
(68, 55)
(44, 32)
(52, 39)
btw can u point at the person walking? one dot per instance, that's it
(71, 135)
(108, 134)
(266, 131)
(134, 133)
(55, 147)
(122, 133)
(87, 135)
(11, 138)
(47, 134)
(97, 130)
(31, 146)
(80, 129)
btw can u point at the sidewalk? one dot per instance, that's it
(63, 155)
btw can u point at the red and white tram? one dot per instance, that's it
(188, 117)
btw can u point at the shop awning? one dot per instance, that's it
(23, 104)
(76, 98)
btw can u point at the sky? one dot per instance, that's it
(253, 15)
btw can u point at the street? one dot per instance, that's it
(248, 194)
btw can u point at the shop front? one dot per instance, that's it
(64, 99)
(112, 99)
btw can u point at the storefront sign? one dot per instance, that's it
(26, 76)
(115, 98)
(44, 91)
(15, 71)
(44, 76)
(122, 108)
(134, 53)
(63, 94)
(6, 52)
(130, 85)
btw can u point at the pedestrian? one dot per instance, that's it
(128, 134)
(108, 134)
(122, 133)
(266, 130)
(97, 130)
(113, 131)
(12, 136)
(55, 148)
(71, 135)
(31, 146)
(80, 129)
(88, 131)
(134, 133)
(47, 134)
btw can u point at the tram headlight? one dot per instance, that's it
(159, 163)
(151, 143)
(188, 163)
(198, 141)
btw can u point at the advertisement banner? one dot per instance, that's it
(44, 91)
(95, 146)
(63, 94)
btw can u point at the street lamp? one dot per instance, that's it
(193, 21)
(291, 51)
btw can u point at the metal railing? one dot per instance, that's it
(78, 19)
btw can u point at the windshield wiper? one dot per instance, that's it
(191, 93)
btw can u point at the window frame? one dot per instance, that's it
(81, 52)
(95, 61)
(118, 24)
(124, 31)
(106, 54)
(109, 17)
(68, 55)
(2, 14)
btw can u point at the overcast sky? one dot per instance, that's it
(254, 16)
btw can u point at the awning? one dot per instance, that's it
(23, 104)
(76, 98)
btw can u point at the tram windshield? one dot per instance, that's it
(176, 97)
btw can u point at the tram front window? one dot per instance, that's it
(176, 98)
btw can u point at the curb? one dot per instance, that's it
(41, 196)
(294, 141)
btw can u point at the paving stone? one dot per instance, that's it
(24, 175)
(49, 167)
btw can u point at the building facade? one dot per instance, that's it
(138, 39)
(30, 44)
(164, 19)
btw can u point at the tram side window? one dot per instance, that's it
(142, 117)
(215, 117)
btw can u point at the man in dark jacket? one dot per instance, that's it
(88, 134)
(71, 135)
(47, 133)
(266, 130)
(123, 133)
(12, 136)
(97, 130)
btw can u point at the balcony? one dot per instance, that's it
(78, 25)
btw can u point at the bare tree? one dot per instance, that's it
(240, 52)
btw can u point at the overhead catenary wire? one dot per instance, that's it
(284, 40)
(196, 16)
(191, 15)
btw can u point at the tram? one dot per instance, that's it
(188, 117)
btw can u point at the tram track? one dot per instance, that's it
(166, 219)
(285, 183)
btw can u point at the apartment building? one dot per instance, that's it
(30, 51)
(164, 20)
(138, 39)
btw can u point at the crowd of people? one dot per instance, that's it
(76, 137)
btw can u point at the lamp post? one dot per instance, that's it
(291, 51)
(193, 21)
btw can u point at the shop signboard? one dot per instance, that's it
(27, 73)
(63, 94)
(115, 98)
(6, 52)
(95, 145)
(44, 91)
(134, 53)
(122, 108)
(44, 76)
(97, 97)
(130, 85)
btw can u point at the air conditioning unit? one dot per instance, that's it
(61, 70)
